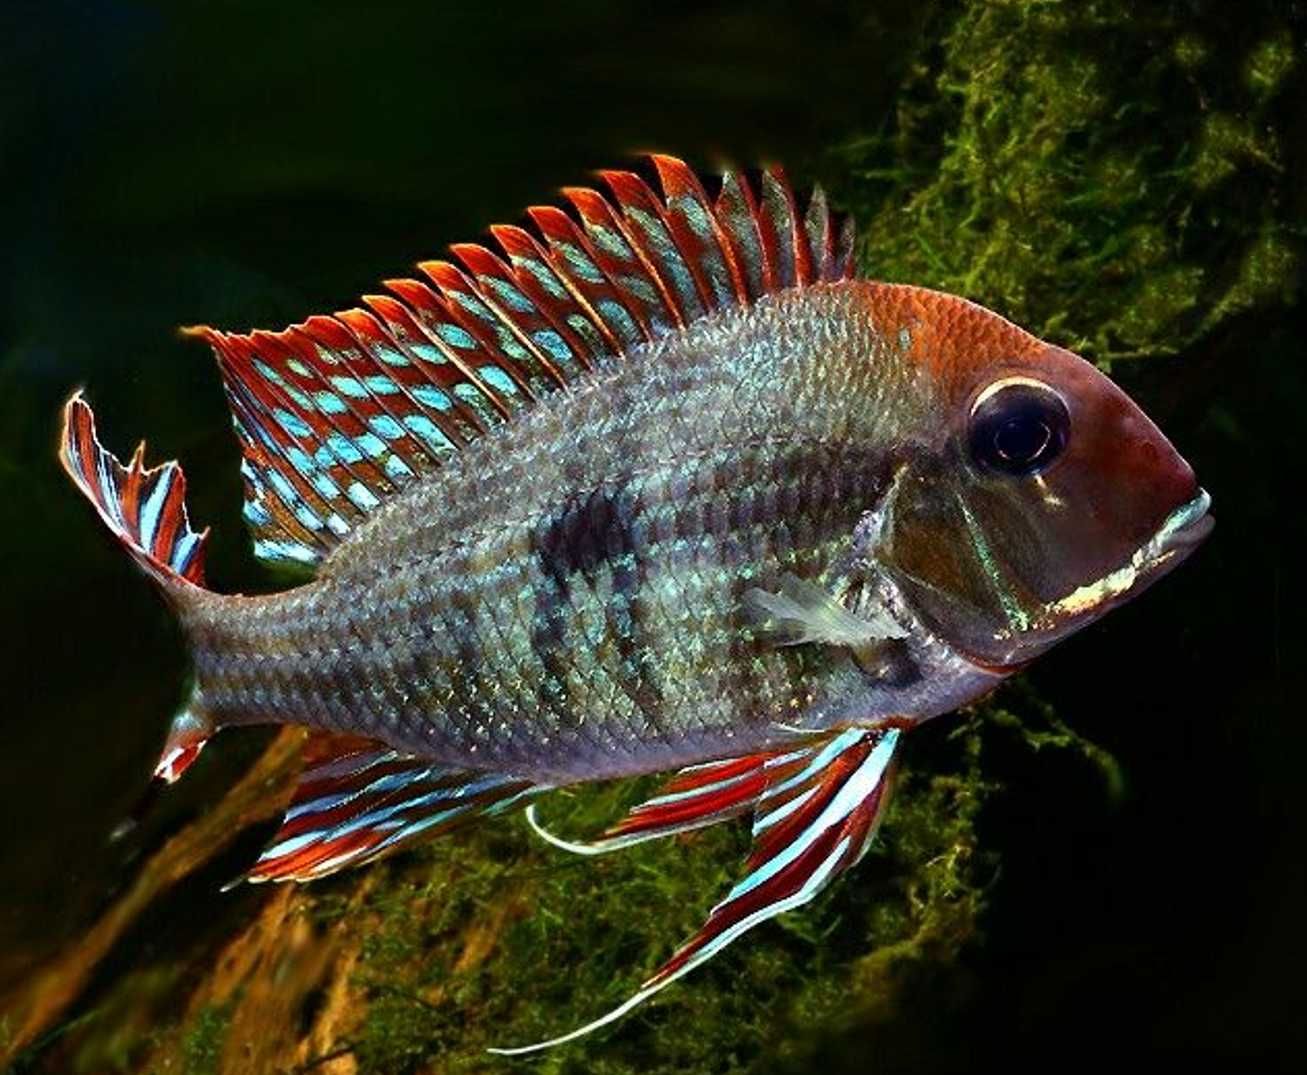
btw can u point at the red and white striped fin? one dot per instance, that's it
(813, 820)
(145, 508)
(694, 798)
(361, 801)
(338, 412)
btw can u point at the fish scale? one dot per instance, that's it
(683, 574)
(662, 487)
(684, 577)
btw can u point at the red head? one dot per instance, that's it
(1043, 495)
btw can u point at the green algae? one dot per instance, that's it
(122, 1028)
(573, 937)
(1269, 64)
(202, 1046)
(1051, 161)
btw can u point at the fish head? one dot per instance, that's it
(1040, 497)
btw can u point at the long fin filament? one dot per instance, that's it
(814, 819)
(694, 798)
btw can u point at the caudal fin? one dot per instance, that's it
(143, 508)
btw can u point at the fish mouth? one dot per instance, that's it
(1180, 533)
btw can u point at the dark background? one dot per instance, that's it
(246, 164)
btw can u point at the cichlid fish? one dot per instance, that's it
(657, 486)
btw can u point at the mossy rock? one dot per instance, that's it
(490, 938)
(1114, 177)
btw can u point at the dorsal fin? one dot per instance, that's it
(336, 413)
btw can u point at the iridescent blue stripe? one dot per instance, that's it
(154, 505)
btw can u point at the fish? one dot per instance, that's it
(655, 482)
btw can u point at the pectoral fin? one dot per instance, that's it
(802, 611)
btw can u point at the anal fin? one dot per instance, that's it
(358, 800)
(814, 818)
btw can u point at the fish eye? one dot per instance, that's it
(1019, 426)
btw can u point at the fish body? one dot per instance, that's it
(564, 601)
(663, 487)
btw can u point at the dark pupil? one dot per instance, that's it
(1021, 439)
(1019, 430)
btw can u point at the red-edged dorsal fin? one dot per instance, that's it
(814, 818)
(329, 372)
(301, 491)
(526, 326)
(358, 800)
(391, 403)
(452, 352)
(503, 368)
(700, 235)
(645, 224)
(624, 263)
(340, 412)
(845, 251)
(820, 234)
(617, 313)
(783, 231)
(585, 337)
(736, 209)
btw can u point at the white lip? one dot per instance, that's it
(1185, 526)
(1178, 535)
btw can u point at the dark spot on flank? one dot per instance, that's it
(591, 529)
(570, 548)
